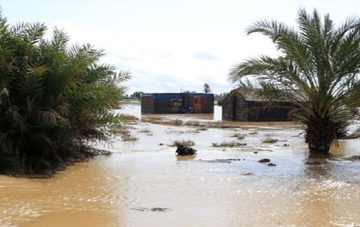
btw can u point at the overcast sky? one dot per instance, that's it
(171, 45)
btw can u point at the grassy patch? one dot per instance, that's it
(239, 136)
(129, 119)
(124, 133)
(146, 131)
(229, 144)
(270, 140)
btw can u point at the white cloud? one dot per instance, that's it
(171, 45)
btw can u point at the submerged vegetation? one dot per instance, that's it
(270, 140)
(317, 69)
(54, 98)
(229, 144)
(187, 143)
(184, 147)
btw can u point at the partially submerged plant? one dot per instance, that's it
(129, 119)
(187, 143)
(239, 136)
(229, 144)
(184, 147)
(270, 140)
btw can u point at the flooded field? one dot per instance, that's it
(143, 183)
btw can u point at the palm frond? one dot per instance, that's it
(59, 39)
(318, 70)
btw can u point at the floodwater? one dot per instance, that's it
(143, 183)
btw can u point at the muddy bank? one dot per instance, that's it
(164, 120)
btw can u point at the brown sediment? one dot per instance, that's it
(156, 119)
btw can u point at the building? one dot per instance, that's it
(245, 105)
(166, 103)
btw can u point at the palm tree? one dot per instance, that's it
(317, 69)
(206, 88)
(53, 98)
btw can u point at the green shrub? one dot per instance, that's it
(53, 97)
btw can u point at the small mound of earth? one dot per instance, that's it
(247, 174)
(228, 160)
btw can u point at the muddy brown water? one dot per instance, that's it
(143, 183)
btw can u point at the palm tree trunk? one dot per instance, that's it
(320, 133)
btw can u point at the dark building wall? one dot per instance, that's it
(207, 102)
(165, 103)
(204, 101)
(147, 104)
(236, 108)
(269, 111)
(228, 108)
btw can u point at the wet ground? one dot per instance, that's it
(143, 183)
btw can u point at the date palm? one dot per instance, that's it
(53, 97)
(317, 69)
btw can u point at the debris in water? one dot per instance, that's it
(247, 174)
(185, 150)
(264, 160)
(184, 147)
(229, 144)
(228, 160)
(270, 140)
(239, 136)
(155, 209)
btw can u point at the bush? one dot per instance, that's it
(53, 98)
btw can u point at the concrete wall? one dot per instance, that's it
(236, 108)
(147, 104)
(166, 103)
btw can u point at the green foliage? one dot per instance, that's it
(53, 98)
(136, 95)
(317, 69)
(219, 98)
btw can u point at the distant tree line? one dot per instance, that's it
(219, 98)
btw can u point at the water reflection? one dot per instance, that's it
(185, 158)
